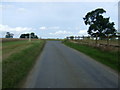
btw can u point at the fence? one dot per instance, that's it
(114, 42)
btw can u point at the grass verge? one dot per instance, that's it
(18, 64)
(108, 58)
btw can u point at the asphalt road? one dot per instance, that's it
(62, 67)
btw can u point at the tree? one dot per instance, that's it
(71, 37)
(36, 36)
(9, 35)
(109, 31)
(98, 25)
(78, 37)
(24, 36)
(67, 38)
(31, 35)
(92, 19)
(75, 37)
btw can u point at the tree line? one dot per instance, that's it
(28, 35)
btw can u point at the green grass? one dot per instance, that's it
(13, 42)
(19, 63)
(108, 58)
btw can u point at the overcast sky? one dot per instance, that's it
(51, 19)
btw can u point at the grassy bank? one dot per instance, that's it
(18, 59)
(108, 58)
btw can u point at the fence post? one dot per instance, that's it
(29, 37)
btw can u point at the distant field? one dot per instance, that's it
(108, 58)
(18, 58)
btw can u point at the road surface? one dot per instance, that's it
(62, 67)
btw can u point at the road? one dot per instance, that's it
(62, 67)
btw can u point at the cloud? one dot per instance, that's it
(49, 28)
(61, 33)
(43, 28)
(83, 33)
(15, 30)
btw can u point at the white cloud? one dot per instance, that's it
(61, 33)
(83, 33)
(49, 28)
(15, 30)
(43, 28)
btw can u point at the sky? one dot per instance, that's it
(51, 19)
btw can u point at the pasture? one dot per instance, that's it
(18, 57)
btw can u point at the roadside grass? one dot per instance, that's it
(108, 58)
(19, 63)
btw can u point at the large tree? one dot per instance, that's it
(98, 25)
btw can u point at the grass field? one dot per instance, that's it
(108, 58)
(18, 59)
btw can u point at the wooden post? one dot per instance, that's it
(29, 37)
(107, 40)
